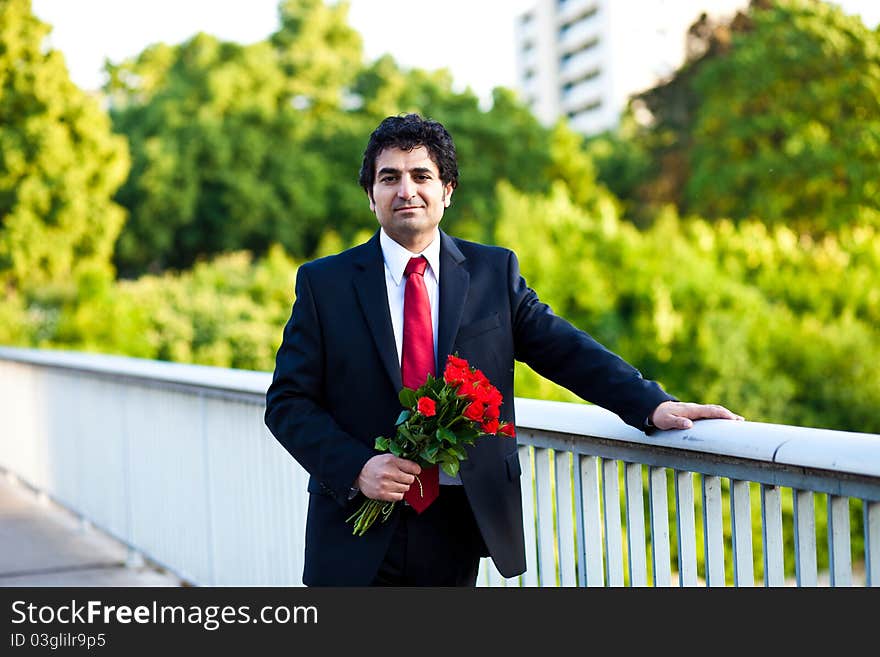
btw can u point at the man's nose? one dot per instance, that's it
(406, 189)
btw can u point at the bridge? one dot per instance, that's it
(174, 463)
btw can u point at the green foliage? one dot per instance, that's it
(237, 147)
(209, 175)
(751, 317)
(775, 116)
(623, 162)
(59, 167)
(319, 53)
(227, 312)
(788, 127)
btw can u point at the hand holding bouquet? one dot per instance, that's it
(439, 420)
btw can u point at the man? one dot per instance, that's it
(338, 374)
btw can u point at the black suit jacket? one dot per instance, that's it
(337, 378)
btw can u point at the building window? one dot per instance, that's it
(584, 108)
(584, 77)
(586, 45)
(586, 14)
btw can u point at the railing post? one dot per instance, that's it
(741, 530)
(687, 537)
(771, 524)
(871, 512)
(635, 525)
(592, 521)
(839, 556)
(613, 528)
(806, 571)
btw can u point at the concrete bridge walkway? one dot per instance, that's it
(42, 544)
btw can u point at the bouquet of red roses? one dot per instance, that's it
(439, 420)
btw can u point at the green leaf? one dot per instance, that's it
(408, 397)
(450, 468)
(382, 444)
(403, 417)
(444, 434)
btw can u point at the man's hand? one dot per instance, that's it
(387, 477)
(679, 415)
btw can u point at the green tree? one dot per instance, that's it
(320, 53)
(775, 115)
(788, 127)
(60, 165)
(227, 312)
(779, 327)
(237, 147)
(217, 159)
(625, 163)
(223, 138)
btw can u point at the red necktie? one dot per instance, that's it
(416, 363)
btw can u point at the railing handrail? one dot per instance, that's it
(221, 379)
(808, 447)
(827, 449)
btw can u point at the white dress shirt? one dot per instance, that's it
(396, 258)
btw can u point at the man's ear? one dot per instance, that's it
(447, 194)
(372, 202)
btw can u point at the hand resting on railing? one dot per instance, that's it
(679, 415)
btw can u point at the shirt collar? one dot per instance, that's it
(396, 256)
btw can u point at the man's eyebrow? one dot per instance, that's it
(397, 171)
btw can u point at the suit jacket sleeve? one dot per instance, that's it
(294, 402)
(570, 357)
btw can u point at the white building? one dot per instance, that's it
(584, 58)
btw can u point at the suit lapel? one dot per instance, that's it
(454, 283)
(369, 283)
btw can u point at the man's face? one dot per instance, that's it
(408, 196)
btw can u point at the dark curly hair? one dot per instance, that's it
(406, 133)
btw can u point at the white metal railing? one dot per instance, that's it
(175, 461)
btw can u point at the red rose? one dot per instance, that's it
(474, 411)
(458, 363)
(507, 430)
(467, 391)
(454, 375)
(477, 392)
(490, 426)
(480, 377)
(427, 407)
(491, 412)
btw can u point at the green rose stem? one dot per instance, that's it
(367, 513)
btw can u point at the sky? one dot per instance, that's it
(474, 39)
